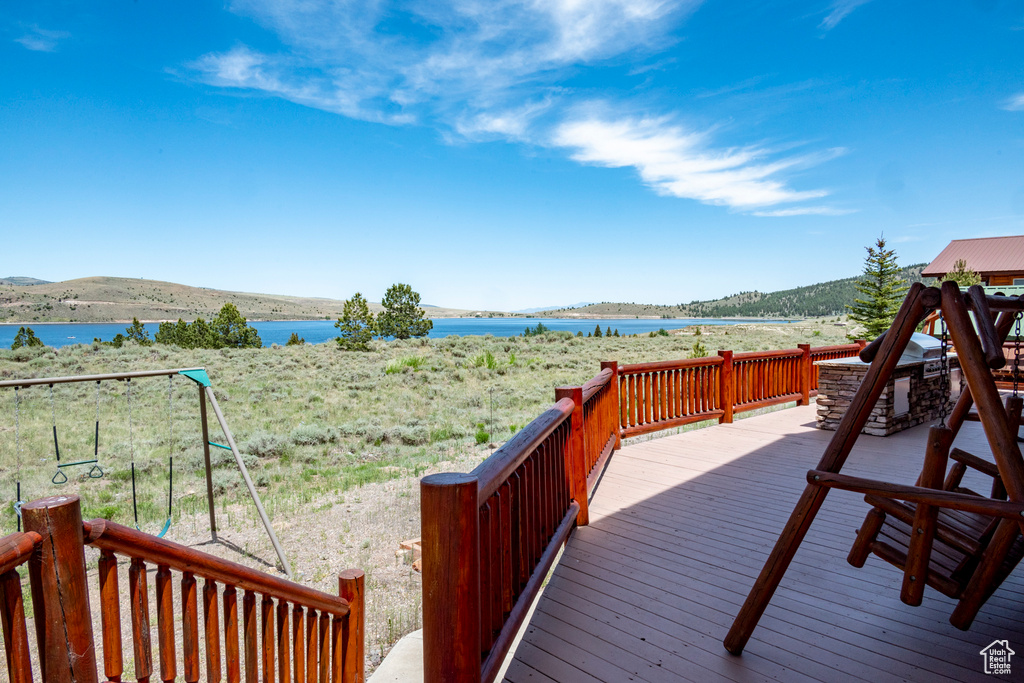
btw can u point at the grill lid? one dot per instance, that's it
(923, 346)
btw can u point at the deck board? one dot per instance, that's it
(679, 530)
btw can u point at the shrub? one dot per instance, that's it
(264, 445)
(482, 435)
(311, 435)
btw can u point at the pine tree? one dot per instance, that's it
(962, 274)
(138, 334)
(356, 325)
(882, 289)
(402, 316)
(233, 331)
(26, 337)
(597, 330)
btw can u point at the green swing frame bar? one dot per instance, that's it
(202, 380)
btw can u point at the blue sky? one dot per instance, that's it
(504, 153)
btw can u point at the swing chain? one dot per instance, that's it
(1016, 352)
(944, 375)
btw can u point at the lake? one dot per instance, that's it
(320, 331)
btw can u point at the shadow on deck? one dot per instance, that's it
(681, 526)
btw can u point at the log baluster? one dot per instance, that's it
(325, 647)
(249, 636)
(312, 668)
(337, 650)
(110, 617)
(267, 637)
(138, 593)
(165, 623)
(232, 660)
(212, 624)
(12, 618)
(299, 644)
(190, 627)
(283, 656)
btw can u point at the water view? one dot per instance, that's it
(320, 331)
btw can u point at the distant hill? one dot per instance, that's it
(114, 299)
(823, 299)
(541, 309)
(22, 281)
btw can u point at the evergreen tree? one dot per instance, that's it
(962, 275)
(26, 337)
(232, 330)
(356, 325)
(608, 332)
(597, 330)
(138, 334)
(295, 340)
(402, 316)
(882, 289)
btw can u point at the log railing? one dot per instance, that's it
(490, 537)
(600, 421)
(766, 378)
(666, 394)
(297, 633)
(15, 550)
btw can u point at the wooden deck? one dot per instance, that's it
(680, 527)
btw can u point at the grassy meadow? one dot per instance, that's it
(335, 441)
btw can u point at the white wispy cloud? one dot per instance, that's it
(839, 11)
(42, 40)
(1015, 103)
(494, 69)
(683, 163)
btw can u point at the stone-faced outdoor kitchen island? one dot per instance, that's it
(912, 396)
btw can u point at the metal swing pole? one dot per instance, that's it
(206, 456)
(248, 482)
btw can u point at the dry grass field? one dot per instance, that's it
(335, 441)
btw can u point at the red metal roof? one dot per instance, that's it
(984, 255)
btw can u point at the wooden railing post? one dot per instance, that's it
(350, 587)
(726, 388)
(861, 342)
(805, 375)
(576, 463)
(449, 530)
(60, 595)
(614, 366)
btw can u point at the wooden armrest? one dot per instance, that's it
(975, 462)
(917, 494)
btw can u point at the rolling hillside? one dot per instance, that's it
(823, 299)
(114, 299)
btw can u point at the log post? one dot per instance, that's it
(60, 594)
(449, 522)
(350, 587)
(805, 375)
(726, 388)
(576, 458)
(614, 366)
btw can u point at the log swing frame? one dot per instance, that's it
(206, 395)
(978, 352)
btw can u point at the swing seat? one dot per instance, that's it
(959, 539)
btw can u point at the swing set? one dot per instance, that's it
(206, 395)
(939, 533)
